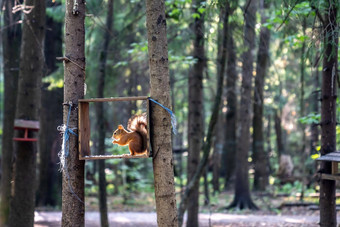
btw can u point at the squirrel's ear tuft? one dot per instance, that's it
(120, 127)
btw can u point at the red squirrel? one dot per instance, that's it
(136, 137)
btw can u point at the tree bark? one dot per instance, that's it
(259, 154)
(206, 150)
(278, 132)
(74, 78)
(222, 56)
(101, 116)
(242, 198)
(328, 112)
(195, 115)
(229, 153)
(11, 38)
(28, 104)
(50, 117)
(161, 124)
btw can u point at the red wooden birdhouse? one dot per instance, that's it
(26, 126)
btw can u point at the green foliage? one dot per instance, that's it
(55, 79)
(311, 118)
(57, 12)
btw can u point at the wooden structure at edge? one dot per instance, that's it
(333, 157)
(85, 129)
(26, 125)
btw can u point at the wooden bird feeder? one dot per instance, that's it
(84, 132)
(334, 158)
(26, 126)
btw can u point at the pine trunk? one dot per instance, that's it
(242, 199)
(11, 38)
(222, 56)
(28, 104)
(231, 116)
(101, 117)
(278, 132)
(195, 115)
(50, 118)
(161, 125)
(259, 154)
(74, 77)
(328, 114)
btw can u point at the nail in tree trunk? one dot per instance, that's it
(11, 38)
(161, 124)
(74, 78)
(259, 154)
(242, 198)
(28, 104)
(101, 116)
(328, 111)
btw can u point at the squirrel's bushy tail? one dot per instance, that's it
(138, 123)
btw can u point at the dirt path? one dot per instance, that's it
(129, 219)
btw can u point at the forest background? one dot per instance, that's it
(206, 42)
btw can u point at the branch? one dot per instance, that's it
(284, 20)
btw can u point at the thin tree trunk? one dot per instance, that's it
(74, 77)
(206, 149)
(28, 104)
(11, 38)
(50, 115)
(315, 107)
(242, 198)
(206, 152)
(302, 85)
(278, 132)
(195, 115)
(161, 125)
(328, 112)
(217, 153)
(50, 118)
(101, 116)
(259, 154)
(304, 155)
(221, 65)
(231, 116)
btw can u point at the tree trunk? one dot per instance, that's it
(328, 112)
(217, 153)
(303, 153)
(11, 38)
(74, 78)
(50, 117)
(302, 86)
(259, 154)
(221, 65)
(161, 125)
(242, 199)
(231, 116)
(101, 116)
(28, 104)
(278, 132)
(315, 108)
(206, 151)
(195, 115)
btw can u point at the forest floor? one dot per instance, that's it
(139, 210)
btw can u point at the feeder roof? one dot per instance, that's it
(331, 157)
